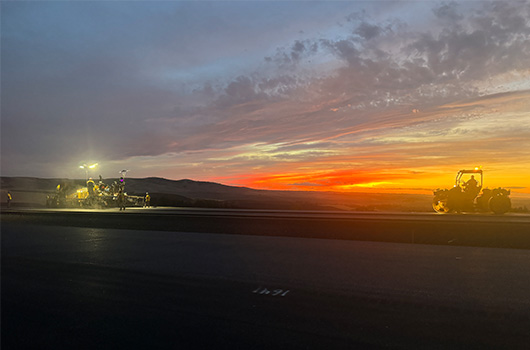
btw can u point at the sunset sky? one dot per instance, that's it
(380, 96)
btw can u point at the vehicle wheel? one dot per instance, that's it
(483, 203)
(440, 205)
(500, 204)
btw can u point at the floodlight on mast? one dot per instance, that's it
(86, 167)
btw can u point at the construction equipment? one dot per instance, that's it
(93, 195)
(466, 196)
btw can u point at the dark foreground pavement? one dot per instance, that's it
(99, 287)
(500, 231)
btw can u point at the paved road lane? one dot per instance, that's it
(71, 286)
(509, 231)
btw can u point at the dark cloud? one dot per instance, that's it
(448, 12)
(241, 90)
(289, 58)
(345, 49)
(494, 43)
(368, 31)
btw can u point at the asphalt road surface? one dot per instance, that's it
(506, 231)
(85, 286)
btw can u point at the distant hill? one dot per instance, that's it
(192, 189)
(29, 191)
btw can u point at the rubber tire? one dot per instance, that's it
(500, 204)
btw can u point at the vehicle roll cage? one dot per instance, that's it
(474, 171)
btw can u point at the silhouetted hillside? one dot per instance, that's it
(190, 188)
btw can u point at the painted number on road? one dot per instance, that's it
(273, 292)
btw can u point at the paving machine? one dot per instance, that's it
(93, 195)
(466, 195)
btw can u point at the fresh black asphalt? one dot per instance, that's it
(87, 285)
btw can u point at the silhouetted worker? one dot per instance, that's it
(90, 186)
(147, 200)
(9, 199)
(121, 200)
(60, 197)
(471, 184)
(471, 187)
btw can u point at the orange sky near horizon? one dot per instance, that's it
(420, 183)
(381, 182)
(491, 132)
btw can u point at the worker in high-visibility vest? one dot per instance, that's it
(9, 199)
(90, 186)
(147, 203)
